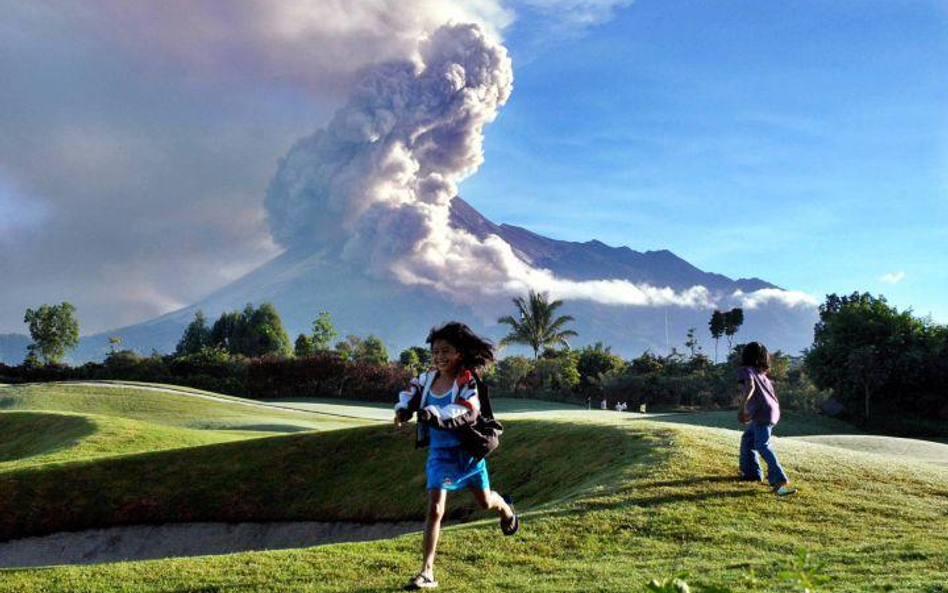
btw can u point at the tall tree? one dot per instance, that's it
(538, 327)
(303, 346)
(224, 329)
(252, 332)
(196, 336)
(717, 326)
(873, 356)
(323, 331)
(265, 333)
(54, 330)
(114, 342)
(691, 341)
(415, 359)
(733, 320)
(372, 350)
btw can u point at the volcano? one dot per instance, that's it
(302, 282)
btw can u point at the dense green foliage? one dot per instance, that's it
(370, 350)
(252, 332)
(416, 359)
(887, 367)
(323, 333)
(325, 374)
(594, 373)
(54, 330)
(196, 336)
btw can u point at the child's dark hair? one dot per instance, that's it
(755, 355)
(476, 351)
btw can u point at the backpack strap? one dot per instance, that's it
(484, 396)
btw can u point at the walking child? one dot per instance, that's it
(446, 401)
(760, 411)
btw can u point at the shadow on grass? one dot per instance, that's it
(32, 434)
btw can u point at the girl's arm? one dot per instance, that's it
(748, 387)
(410, 398)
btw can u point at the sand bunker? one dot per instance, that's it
(149, 542)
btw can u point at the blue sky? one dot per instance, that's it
(804, 143)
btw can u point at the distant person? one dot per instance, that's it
(604, 405)
(760, 411)
(446, 399)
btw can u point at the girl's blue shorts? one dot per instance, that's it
(454, 469)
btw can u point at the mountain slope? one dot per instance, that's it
(302, 283)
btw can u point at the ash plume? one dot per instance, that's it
(375, 186)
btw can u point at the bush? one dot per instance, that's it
(508, 373)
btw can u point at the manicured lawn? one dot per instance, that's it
(171, 409)
(610, 501)
(32, 438)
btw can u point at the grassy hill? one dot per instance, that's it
(611, 500)
(167, 405)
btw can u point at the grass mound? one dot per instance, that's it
(611, 501)
(174, 407)
(665, 501)
(34, 434)
(32, 438)
(363, 474)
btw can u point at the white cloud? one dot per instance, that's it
(788, 298)
(892, 277)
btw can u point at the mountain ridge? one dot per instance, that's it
(300, 283)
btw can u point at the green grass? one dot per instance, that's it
(32, 438)
(170, 409)
(385, 411)
(610, 500)
(362, 474)
(792, 422)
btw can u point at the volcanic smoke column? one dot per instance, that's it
(378, 181)
(376, 185)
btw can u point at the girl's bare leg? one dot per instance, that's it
(488, 499)
(437, 500)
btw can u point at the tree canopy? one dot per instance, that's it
(252, 332)
(538, 326)
(54, 329)
(877, 359)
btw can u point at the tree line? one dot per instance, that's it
(884, 367)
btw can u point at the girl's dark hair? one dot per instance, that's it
(755, 355)
(475, 351)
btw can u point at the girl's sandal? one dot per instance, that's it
(420, 581)
(512, 525)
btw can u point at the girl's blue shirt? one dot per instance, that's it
(442, 439)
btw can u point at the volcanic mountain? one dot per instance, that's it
(301, 283)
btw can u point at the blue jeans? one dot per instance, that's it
(756, 439)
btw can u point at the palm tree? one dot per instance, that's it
(537, 327)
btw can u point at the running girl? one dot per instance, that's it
(446, 398)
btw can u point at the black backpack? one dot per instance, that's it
(481, 437)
